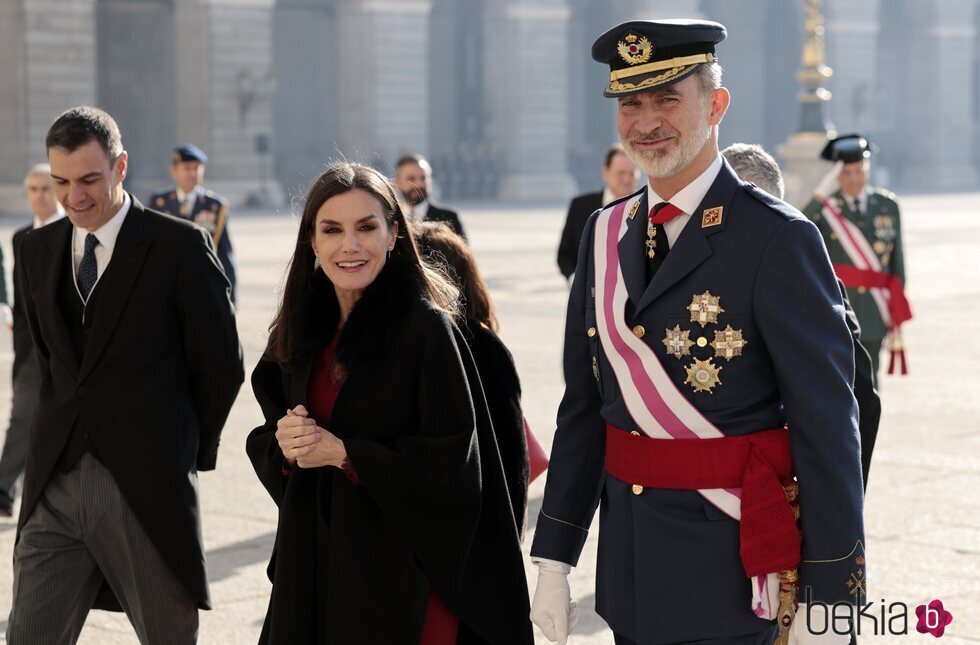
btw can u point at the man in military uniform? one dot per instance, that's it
(753, 164)
(189, 199)
(708, 399)
(862, 229)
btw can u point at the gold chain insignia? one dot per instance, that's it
(634, 49)
(617, 87)
(677, 342)
(728, 343)
(703, 375)
(705, 308)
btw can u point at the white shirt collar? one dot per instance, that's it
(181, 195)
(607, 196)
(106, 235)
(690, 197)
(420, 210)
(51, 220)
(687, 199)
(860, 203)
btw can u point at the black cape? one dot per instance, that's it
(354, 564)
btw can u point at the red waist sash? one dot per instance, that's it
(759, 463)
(898, 304)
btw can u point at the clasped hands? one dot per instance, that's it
(307, 445)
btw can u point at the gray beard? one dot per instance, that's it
(667, 163)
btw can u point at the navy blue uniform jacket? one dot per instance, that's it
(668, 564)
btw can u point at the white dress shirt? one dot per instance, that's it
(687, 199)
(106, 235)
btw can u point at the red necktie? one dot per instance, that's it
(664, 212)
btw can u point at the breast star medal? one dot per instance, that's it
(703, 376)
(677, 342)
(705, 308)
(728, 343)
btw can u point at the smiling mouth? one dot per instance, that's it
(81, 210)
(352, 265)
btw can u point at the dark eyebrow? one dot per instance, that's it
(360, 221)
(91, 175)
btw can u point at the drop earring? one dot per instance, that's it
(316, 262)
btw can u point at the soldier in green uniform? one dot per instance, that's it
(861, 227)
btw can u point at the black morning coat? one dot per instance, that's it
(160, 372)
(354, 564)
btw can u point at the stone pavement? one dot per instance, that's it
(923, 522)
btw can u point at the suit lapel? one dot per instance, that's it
(117, 283)
(50, 267)
(632, 252)
(692, 246)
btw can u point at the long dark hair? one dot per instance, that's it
(440, 245)
(342, 177)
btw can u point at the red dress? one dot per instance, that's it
(441, 624)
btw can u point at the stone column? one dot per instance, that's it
(742, 56)
(383, 73)
(940, 115)
(239, 85)
(55, 70)
(526, 89)
(851, 45)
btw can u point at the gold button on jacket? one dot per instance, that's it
(638, 331)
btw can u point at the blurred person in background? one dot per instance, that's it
(190, 200)
(26, 374)
(753, 164)
(413, 178)
(619, 176)
(862, 229)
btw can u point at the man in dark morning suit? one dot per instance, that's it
(140, 361)
(189, 199)
(26, 373)
(413, 178)
(753, 164)
(620, 175)
(716, 317)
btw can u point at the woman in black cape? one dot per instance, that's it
(395, 525)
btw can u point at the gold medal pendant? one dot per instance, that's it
(651, 240)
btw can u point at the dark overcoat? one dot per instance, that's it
(355, 563)
(571, 235)
(160, 373)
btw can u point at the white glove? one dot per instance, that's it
(553, 610)
(7, 314)
(828, 184)
(800, 635)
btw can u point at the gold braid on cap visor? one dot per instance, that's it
(675, 67)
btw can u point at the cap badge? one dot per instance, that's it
(634, 49)
(703, 375)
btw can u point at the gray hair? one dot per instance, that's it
(38, 169)
(710, 76)
(752, 163)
